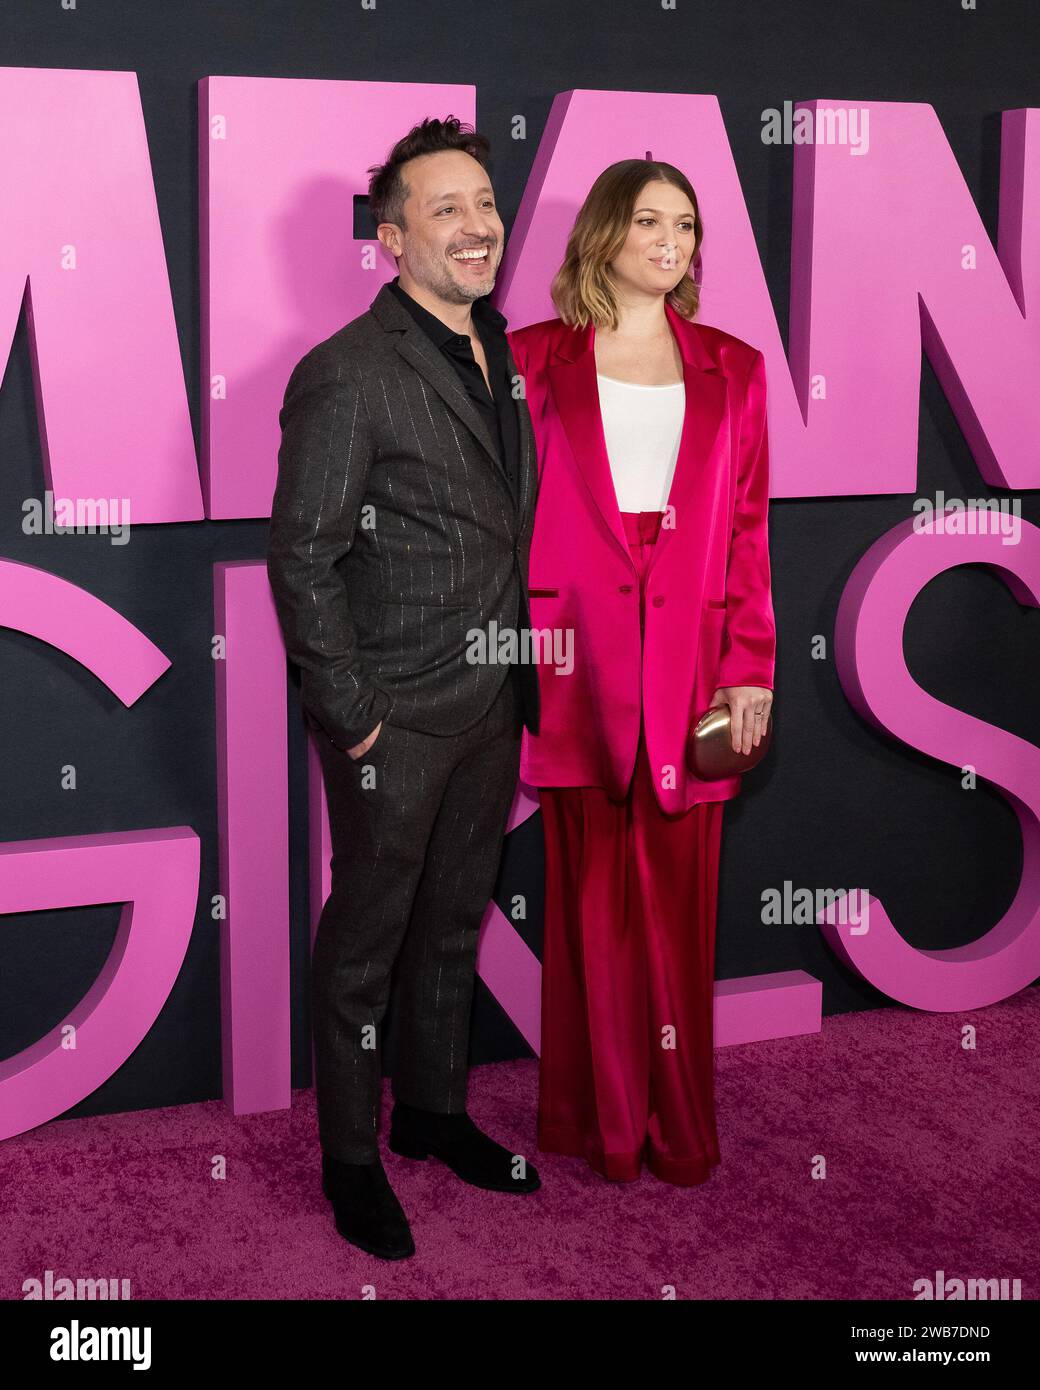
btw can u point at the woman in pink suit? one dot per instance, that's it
(650, 548)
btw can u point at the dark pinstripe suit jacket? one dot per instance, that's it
(394, 533)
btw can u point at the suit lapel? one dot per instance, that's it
(705, 384)
(576, 393)
(527, 450)
(572, 378)
(417, 350)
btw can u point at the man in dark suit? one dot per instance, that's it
(401, 523)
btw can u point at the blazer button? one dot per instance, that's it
(657, 600)
(624, 588)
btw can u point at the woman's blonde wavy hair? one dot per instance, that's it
(582, 289)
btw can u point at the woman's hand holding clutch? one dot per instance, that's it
(749, 712)
(732, 741)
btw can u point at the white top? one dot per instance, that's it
(642, 426)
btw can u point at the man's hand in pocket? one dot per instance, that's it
(361, 748)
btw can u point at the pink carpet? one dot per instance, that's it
(930, 1156)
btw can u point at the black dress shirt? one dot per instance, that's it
(498, 409)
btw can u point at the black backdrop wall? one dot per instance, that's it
(836, 804)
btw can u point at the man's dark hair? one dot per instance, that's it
(387, 190)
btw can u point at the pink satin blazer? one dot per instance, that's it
(709, 610)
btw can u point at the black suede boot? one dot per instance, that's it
(457, 1141)
(366, 1208)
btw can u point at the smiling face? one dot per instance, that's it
(660, 242)
(452, 239)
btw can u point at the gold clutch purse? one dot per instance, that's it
(709, 748)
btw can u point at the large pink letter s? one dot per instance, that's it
(873, 673)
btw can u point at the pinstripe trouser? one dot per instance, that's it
(416, 825)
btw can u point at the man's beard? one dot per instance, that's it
(434, 275)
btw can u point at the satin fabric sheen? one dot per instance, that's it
(629, 955)
(709, 611)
